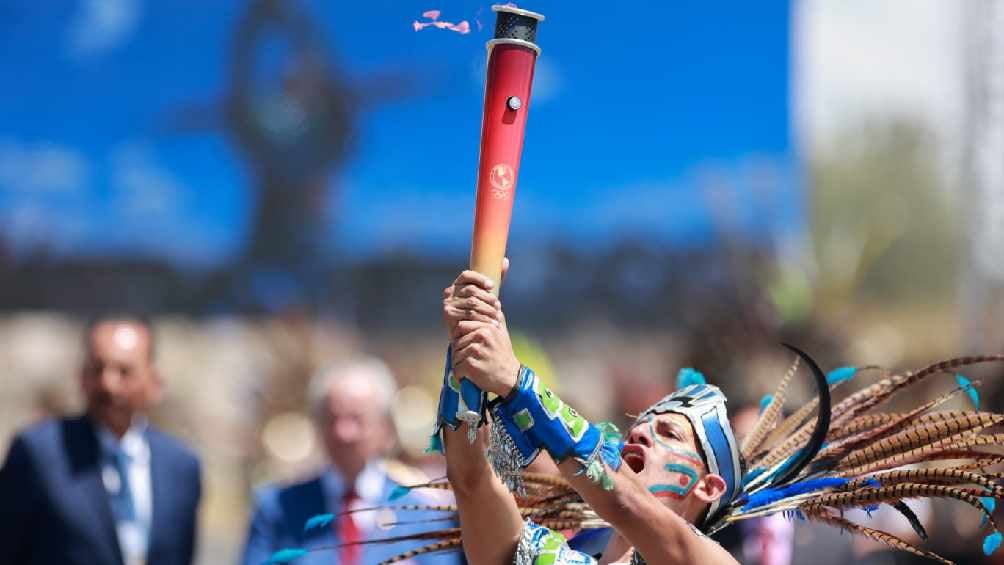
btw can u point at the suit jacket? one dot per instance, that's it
(281, 511)
(54, 509)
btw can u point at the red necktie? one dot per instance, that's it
(348, 532)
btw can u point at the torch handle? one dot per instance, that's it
(512, 55)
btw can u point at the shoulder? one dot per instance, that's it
(171, 447)
(44, 438)
(402, 474)
(42, 433)
(275, 495)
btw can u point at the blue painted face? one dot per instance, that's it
(672, 465)
(703, 406)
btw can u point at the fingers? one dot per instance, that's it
(478, 335)
(472, 291)
(505, 267)
(475, 278)
(455, 315)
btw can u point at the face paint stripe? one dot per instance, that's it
(689, 456)
(676, 491)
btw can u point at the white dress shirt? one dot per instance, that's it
(369, 490)
(133, 536)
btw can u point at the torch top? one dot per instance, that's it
(515, 23)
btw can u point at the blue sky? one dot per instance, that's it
(639, 108)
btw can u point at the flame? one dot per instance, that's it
(461, 27)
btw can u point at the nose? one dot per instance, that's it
(108, 380)
(639, 435)
(346, 430)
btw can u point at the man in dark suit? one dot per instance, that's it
(350, 404)
(104, 488)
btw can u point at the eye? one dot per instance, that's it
(668, 431)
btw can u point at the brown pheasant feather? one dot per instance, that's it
(768, 419)
(881, 391)
(941, 476)
(445, 545)
(868, 496)
(949, 447)
(776, 450)
(877, 535)
(842, 450)
(911, 438)
(867, 422)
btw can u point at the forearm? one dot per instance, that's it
(657, 532)
(490, 522)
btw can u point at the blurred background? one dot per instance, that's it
(283, 183)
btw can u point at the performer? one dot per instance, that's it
(679, 475)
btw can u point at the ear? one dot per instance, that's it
(156, 386)
(710, 488)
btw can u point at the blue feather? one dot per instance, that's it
(873, 482)
(688, 376)
(400, 491)
(991, 543)
(610, 452)
(990, 504)
(435, 444)
(752, 474)
(784, 466)
(840, 375)
(285, 556)
(772, 495)
(765, 402)
(318, 521)
(967, 386)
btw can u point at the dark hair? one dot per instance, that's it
(141, 320)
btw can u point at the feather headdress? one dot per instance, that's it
(849, 455)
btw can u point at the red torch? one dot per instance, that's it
(511, 57)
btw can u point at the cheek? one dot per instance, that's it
(675, 480)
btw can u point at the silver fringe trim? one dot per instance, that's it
(524, 549)
(595, 469)
(472, 432)
(505, 458)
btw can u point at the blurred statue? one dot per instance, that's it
(106, 487)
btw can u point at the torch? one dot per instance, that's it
(511, 57)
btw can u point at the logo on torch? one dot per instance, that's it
(502, 179)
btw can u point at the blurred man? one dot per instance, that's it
(103, 488)
(351, 405)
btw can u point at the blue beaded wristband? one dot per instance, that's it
(459, 402)
(533, 418)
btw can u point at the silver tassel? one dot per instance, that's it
(524, 550)
(472, 432)
(505, 458)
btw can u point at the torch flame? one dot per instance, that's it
(461, 27)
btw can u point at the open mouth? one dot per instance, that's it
(634, 457)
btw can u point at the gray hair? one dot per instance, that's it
(369, 369)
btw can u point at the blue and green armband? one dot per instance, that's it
(460, 401)
(532, 418)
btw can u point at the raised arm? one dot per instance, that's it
(490, 522)
(483, 353)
